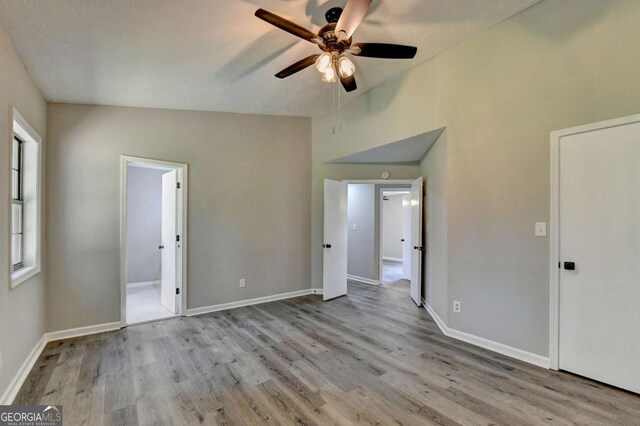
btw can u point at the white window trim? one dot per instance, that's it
(23, 274)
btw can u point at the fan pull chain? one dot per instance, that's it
(333, 107)
(339, 109)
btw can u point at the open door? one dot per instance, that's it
(335, 240)
(168, 279)
(416, 241)
(406, 237)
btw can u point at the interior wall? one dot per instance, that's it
(361, 214)
(558, 64)
(144, 227)
(249, 203)
(22, 310)
(435, 260)
(392, 227)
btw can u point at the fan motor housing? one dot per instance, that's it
(331, 40)
(332, 15)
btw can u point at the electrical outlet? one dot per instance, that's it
(355, 227)
(243, 283)
(457, 306)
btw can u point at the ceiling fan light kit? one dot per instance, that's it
(345, 67)
(329, 76)
(334, 39)
(324, 62)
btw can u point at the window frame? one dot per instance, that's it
(31, 194)
(19, 201)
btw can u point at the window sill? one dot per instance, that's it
(23, 274)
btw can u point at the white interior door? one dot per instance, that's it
(416, 241)
(599, 316)
(406, 237)
(335, 240)
(168, 277)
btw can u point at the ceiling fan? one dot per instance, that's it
(334, 39)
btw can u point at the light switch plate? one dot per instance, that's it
(541, 229)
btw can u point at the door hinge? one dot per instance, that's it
(177, 291)
(178, 238)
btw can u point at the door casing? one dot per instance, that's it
(380, 182)
(181, 227)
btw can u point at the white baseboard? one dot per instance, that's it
(363, 280)
(393, 259)
(248, 302)
(81, 331)
(26, 367)
(24, 370)
(143, 283)
(500, 348)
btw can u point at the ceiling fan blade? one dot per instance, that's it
(349, 83)
(351, 17)
(287, 25)
(383, 50)
(298, 66)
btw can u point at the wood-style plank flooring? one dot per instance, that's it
(371, 357)
(391, 271)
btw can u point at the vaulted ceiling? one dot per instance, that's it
(215, 55)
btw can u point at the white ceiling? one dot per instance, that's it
(215, 55)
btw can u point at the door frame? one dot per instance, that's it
(182, 215)
(554, 226)
(381, 228)
(379, 182)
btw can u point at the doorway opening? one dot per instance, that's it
(354, 233)
(152, 240)
(395, 237)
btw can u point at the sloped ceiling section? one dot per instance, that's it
(407, 151)
(214, 55)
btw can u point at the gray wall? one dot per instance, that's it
(558, 64)
(361, 242)
(435, 261)
(144, 228)
(392, 227)
(22, 310)
(248, 203)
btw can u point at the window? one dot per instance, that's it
(17, 201)
(25, 202)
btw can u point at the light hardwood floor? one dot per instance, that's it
(371, 357)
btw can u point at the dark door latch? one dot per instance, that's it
(569, 266)
(326, 245)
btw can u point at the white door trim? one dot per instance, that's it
(554, 229)
(380, 181)
(380, 196)
(183, 175)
